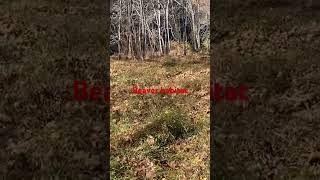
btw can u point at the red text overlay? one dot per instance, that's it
(218, 93)
(137, 90)
(229, 93)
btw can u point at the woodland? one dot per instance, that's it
(144, 28)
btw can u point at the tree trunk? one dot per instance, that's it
(129, 32)
(159, 26)
(185, 29)
(119, 30)
(167, 28)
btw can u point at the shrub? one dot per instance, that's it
(170, 62)
(168, 125)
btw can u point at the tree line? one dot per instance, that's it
(148, 27)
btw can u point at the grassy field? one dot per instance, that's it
(44, 134)
(162, 136)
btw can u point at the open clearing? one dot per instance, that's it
(160, 135)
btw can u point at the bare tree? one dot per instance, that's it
(141, 27)
(119, 29)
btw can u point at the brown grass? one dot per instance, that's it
(44, 47)
(274, 136)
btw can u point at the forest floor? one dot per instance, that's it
(160, 135)
(44, 47)
(273, 48)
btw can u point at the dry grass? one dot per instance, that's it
(44, 47)
(272, 51)
(160, 136)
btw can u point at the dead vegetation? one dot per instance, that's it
(273, 50)
(44, 47)
(160, 135)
